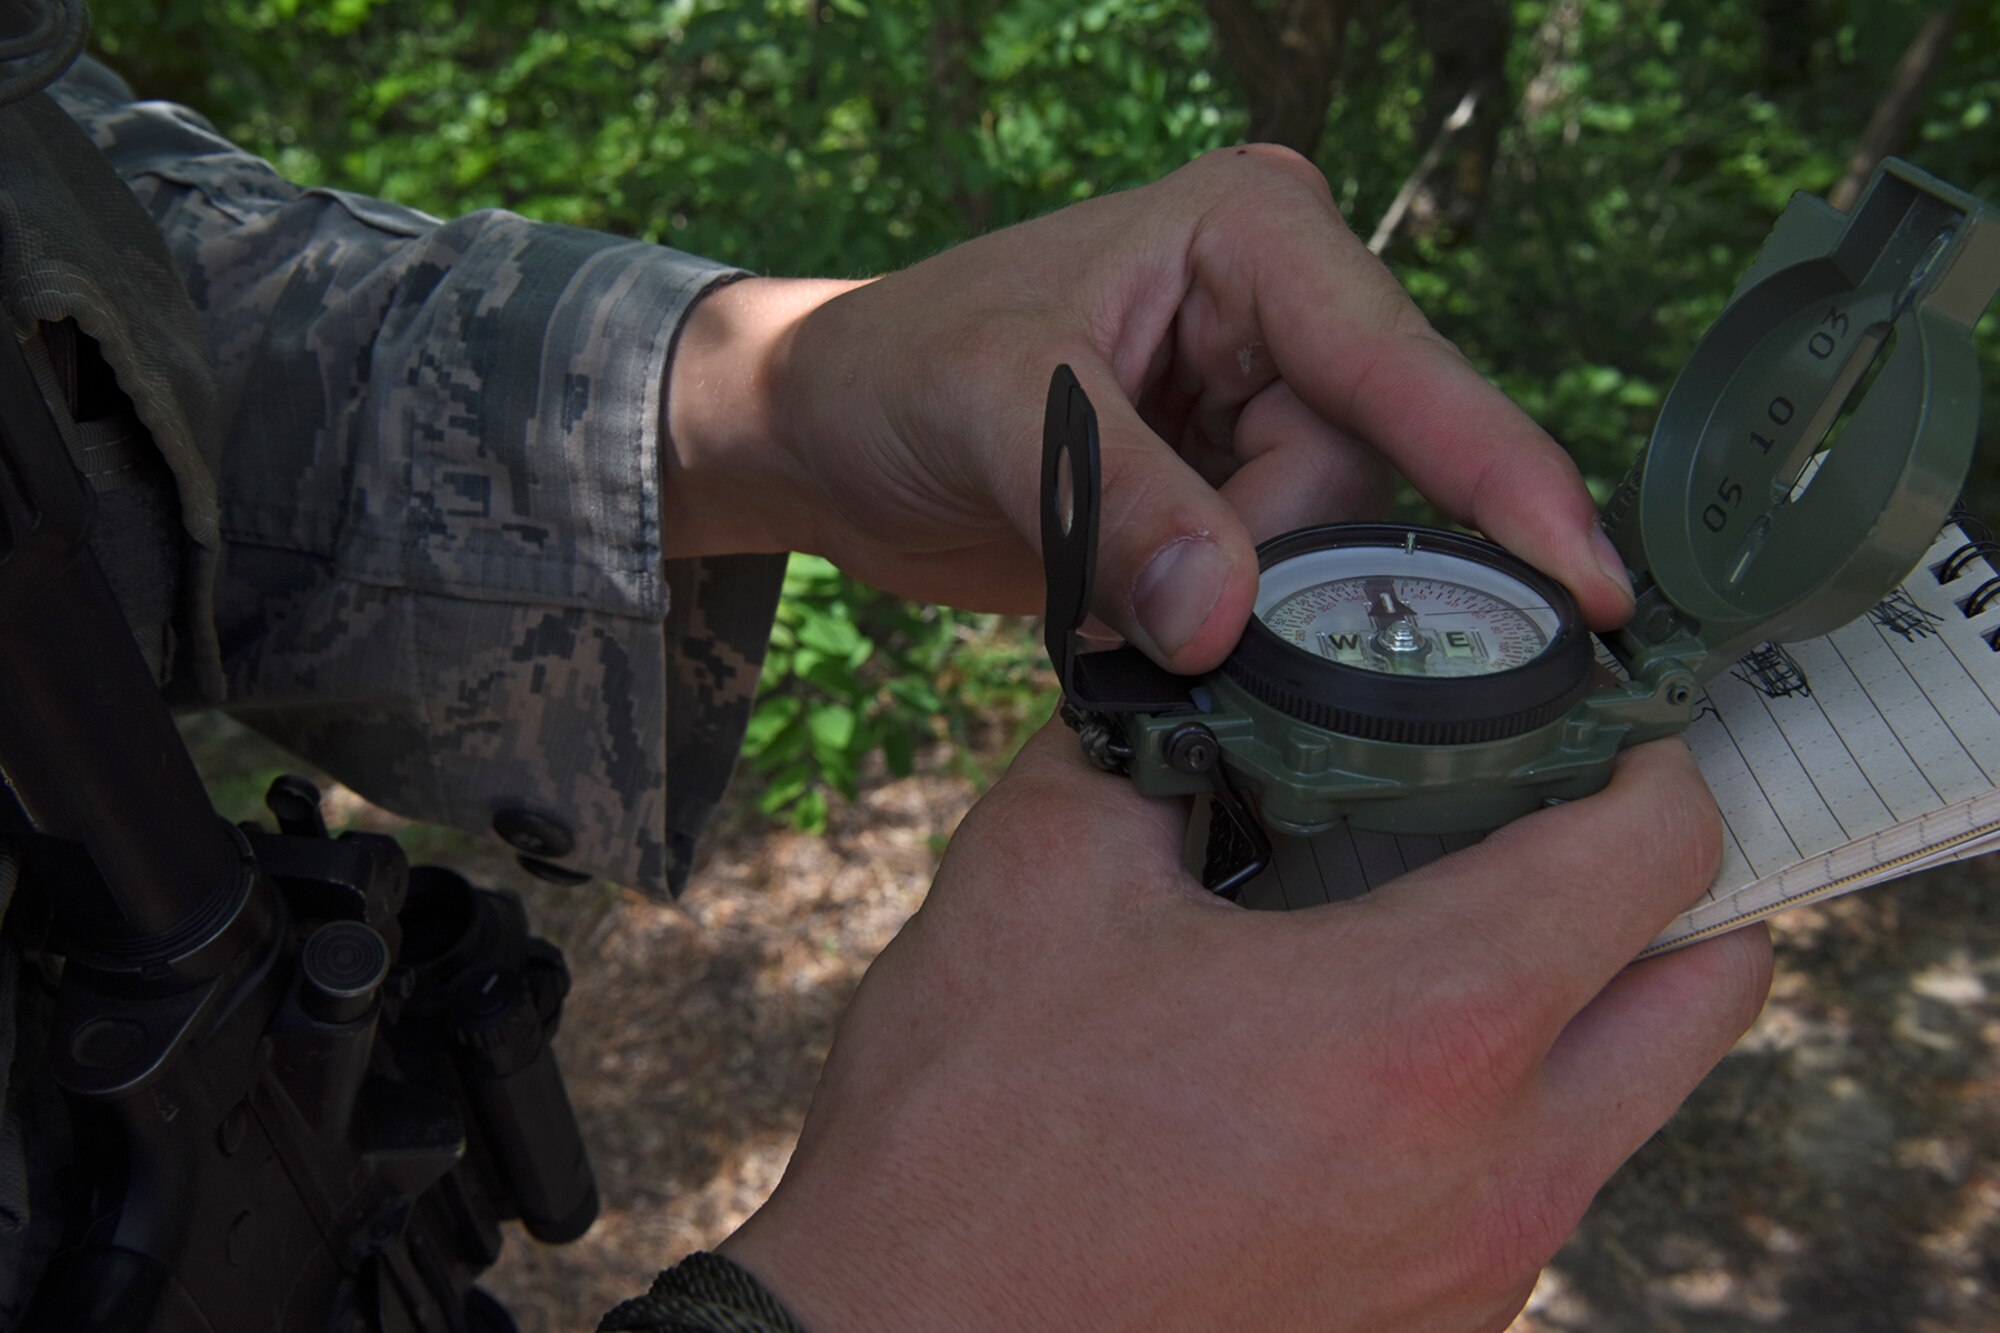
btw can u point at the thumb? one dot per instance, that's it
(1176, 569)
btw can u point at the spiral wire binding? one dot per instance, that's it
(1980, 544)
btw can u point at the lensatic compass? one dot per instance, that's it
(1406, 679)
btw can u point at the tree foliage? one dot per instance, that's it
(1617, 165)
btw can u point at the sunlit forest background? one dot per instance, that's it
(1570, 191)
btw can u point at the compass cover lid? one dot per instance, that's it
(1814, 443)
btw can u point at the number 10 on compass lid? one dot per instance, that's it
(1405, 679)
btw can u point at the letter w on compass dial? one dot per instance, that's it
(1467, 620)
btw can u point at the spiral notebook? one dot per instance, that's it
(1837, 762)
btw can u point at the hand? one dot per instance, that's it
(1228, 328)
(1078, 1092)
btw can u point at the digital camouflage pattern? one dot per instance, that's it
(440, 501)
(86, 281)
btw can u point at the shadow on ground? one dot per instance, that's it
(1839, 1173)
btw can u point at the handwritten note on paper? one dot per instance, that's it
(1896, 734)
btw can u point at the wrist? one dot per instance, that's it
(704, 1293)
(830, 1279)
(852, 1245)
(730, 478)
(797, 1276)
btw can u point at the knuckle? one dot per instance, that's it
(1289, 161)
(1149, 507)
(1137, 477)
(1023, 809)
(1271, 161)
(1686, 828)
(1356, 480)
(1027, 838)
(1395, 312)
(1521, 1230)
(1755, 967)
(1739, 977)
(1465, 1055)
(1402, 355)
(1364, 485)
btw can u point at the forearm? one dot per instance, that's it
(398, 290)
(442, 483)
(732, 481)
(382, 335)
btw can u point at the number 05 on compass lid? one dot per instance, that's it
(1410, 680)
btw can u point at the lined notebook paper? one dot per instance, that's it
(1837, 763)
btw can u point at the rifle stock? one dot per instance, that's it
(307, 1082)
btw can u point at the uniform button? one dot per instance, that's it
(552, 872)
(537, 835)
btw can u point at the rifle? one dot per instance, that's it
(306, 1081)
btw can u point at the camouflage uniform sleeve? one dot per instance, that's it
(441, 503)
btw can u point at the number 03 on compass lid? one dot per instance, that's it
(1404, 679)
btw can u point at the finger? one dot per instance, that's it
(1098, 636)
(1294, 470)
(1463, 444)
(1282, 273)
(1553, 905)
(1176, 569)
(1628, 1060)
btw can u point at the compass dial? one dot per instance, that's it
(1405, 612)
(1399, 633)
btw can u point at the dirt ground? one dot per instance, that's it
(1839, 1172)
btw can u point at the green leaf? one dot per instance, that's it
(899, 751)
(807, 574)
(771, 717)
(916, 694)
(836, 678)
(830, 635)
(832, 727)
(810, 812)
(786, 786)
(788, 745)
(1638, 158)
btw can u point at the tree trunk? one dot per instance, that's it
(1285, 58)
(1467, 41)
(1890, 124)
(956, 96)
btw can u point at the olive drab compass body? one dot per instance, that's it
(1409, 680)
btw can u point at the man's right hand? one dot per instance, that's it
(1078, 1092)
(1253, 368)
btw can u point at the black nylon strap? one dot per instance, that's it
(703, 1293)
